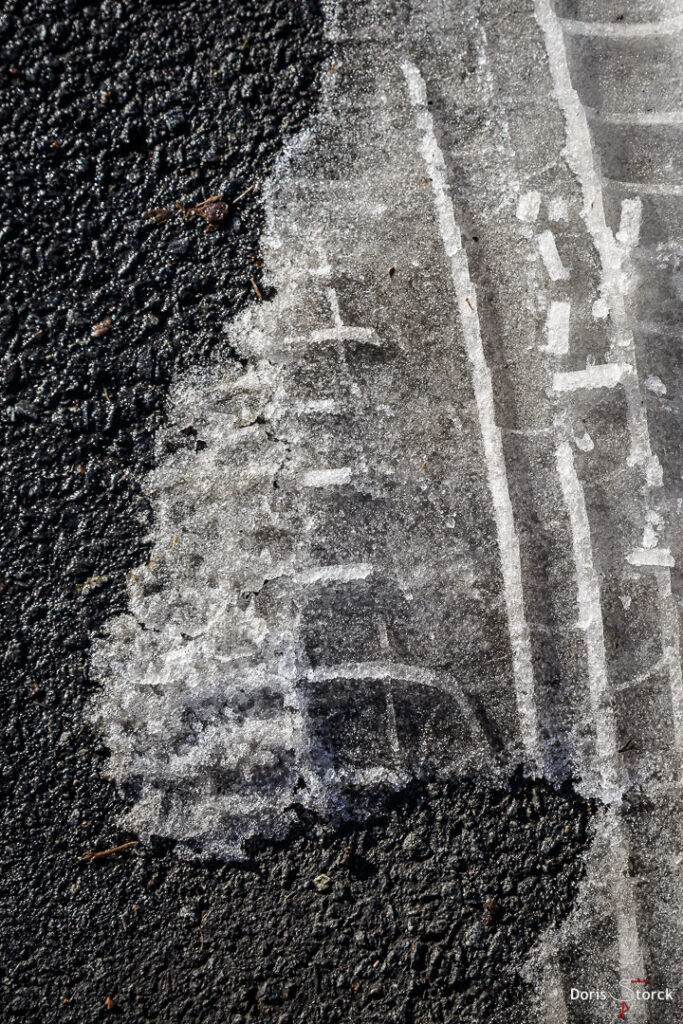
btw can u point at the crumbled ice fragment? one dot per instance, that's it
(600, 309)
(584, 442)
(655, 384)
(557, 209)
(649, 536)
(528, 206)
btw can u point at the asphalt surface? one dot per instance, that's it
(432, 907)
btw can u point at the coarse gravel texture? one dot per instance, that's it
(107, 112)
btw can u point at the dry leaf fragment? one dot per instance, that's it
(101, 328)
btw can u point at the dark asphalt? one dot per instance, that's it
(109, 111)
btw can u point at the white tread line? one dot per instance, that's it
(392, 731)
(580, 157)
(333, 335)
(401, 672)
(612, 254)
(326, 406)
(631, 959)
(327, 477)
(333, 300)
(344, 333)
(661, 561)
(600, 375)
(645, 188)
(623, 29)
(551, 257)
(339, 333)
(557, 328)
(659, 557)
(630, 223)
(369, 776)
(634, 118)
(528, 206)
(374, 670)
(671, 647)
(508, 542)
(335, 573)
(590, 617)
(346, 572)
(643, 677)
(590, 621)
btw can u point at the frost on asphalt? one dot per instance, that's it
(324, 593)
(428, 523)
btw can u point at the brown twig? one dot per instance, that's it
(159, 216)
(92, 855)
(211, 199)
(256, 289)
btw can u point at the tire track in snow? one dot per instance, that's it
(361, 427)
(333, 600)
(632, 911)
(508, 542)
